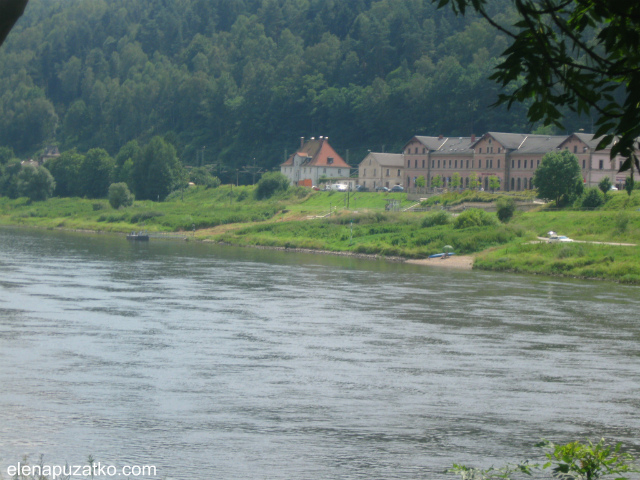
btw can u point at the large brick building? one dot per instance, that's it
(511, 157)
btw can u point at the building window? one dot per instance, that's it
(480, 150)
(387, 172)
(329, 161)
(584, 164)
(422, 163)
(498, 163)
(449, 163)
(433, 163)
(408, 163)
(424, 150)
(479, 163)
(324, 170)
(499, 149)
(601, 165)
(456, 164)
(538, 164)
(438, 163)
(416, 150)
(518, 167)
(374, 172)
(467, 164)
(415, 163)
(575, 149)
(339, 171)
(408, 181)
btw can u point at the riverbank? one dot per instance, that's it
(299, 220)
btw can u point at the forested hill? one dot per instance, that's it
(238, 80)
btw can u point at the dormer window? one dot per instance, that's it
(330, 161)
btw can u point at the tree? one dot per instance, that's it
(456, 181)
(505, 208)
(36, 183)
(474, 183)
(558, 177)
(270, 183)
(120, 196)
(436, 181)
(592, 198)
(156, 170)
(95, 173)
(605, 186)
(66, 172)
(579, 54)
(420, 181)
(494, 183)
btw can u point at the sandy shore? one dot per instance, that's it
(463, 262)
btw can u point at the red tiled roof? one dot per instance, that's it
(318, 152)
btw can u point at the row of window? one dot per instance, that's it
(375, 172)
(516, 183)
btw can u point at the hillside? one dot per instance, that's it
(239, 82)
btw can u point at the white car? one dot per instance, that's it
(559, 238)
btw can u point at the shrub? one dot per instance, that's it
(592, 198)
(506, 206)
(474, 217)
(270, 183)
(438, 218)
(119, 195)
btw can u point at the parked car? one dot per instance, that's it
(397, 188)
(361, 188)
(559, 238)
(382, 189)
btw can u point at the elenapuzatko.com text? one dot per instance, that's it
(93, 470)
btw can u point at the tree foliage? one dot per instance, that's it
(270, 183)
(245, 79)
(558, 177)
(36, 183)
(505, 208)
(119, 195)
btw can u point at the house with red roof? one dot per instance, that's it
(315, 159)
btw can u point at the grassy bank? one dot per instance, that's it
(359, 224)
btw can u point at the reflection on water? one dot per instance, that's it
(216, 362)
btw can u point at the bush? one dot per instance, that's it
(592, 198)
(506, 207)
(438, 218)
(270, 183)
(474, 217)
(120, 196)
(36, 183)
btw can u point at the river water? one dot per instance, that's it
(224, 363)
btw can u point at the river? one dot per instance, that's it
(226, 363)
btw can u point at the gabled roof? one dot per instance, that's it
(316, 153)
(392, 160)
(589, 139)
(432, 143)
(456, 146)
(541, 143)
(525, 143)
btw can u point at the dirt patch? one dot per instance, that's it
(462, 262)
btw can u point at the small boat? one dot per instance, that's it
(138, 236)
(439, 255)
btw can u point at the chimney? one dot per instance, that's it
(473, 137)
(440, 137)
(301, 142)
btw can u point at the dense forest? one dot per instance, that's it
(237, 82)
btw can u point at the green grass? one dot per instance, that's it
(391, 234)
(581, 260)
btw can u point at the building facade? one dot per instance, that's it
(314, 160)
(381, 170)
